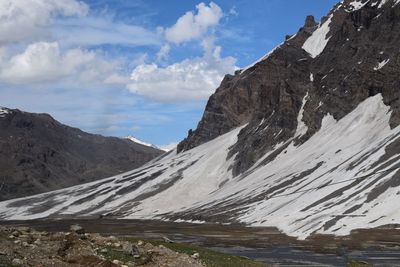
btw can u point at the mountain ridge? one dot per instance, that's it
(41, 154)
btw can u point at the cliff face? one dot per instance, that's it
(351, 55)
(39, 154)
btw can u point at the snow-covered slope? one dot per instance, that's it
(312, 187)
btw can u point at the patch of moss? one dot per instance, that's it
(209, 257)
(111, 253)
(5, 261)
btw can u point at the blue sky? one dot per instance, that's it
(144, 68)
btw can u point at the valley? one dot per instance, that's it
(377, 246)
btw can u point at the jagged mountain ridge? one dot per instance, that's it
(39, 154)
(307, 140)
(341, 76)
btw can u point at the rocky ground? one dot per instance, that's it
(23, 246)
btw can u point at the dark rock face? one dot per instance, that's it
(39, 154)
(361, 59)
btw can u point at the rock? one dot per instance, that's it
(25, 244)
(104, 250)
(2, 253)
(116, 262)
(140, 243)
(117, 245)
(11, 237)
(133, 250)
(195, 255)
(17, 242)
(166, 239)
(17, 262)
(77, 229)
(16, 233)
(37, 242)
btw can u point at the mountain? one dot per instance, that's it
(138, 141)
(306, 139)
(39, 154)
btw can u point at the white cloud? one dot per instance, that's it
(190, 79)
(27, 19)
(233, 11)
(163, 52)
(43, 62)
(86, 31)
(193, 26)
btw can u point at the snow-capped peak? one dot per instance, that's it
(138, 141)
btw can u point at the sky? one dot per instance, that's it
(140, 67)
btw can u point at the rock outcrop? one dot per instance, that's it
(357, 57)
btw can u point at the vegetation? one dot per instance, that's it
(5, 261)
(112, 253)
(209, 257)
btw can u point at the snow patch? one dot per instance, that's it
(4, 112)
(381, 64)
(356, 5)
(301, 126)
(317, 42)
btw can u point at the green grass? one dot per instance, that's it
(353, 263)
(112, 253)
(209, 257)
(5, 261)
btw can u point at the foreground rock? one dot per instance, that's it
(27, 247)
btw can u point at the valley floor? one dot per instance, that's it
(379, 246)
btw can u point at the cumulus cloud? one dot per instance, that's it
(27, 19)
(193, 26)
(44, 62)
(190, 79)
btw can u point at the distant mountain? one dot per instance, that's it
(138, 141)
(39, 154)
(307, 139)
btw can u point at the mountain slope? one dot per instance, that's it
(39, 154)
(306, 139)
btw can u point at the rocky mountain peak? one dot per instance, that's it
(326, 68)
(310, 22)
